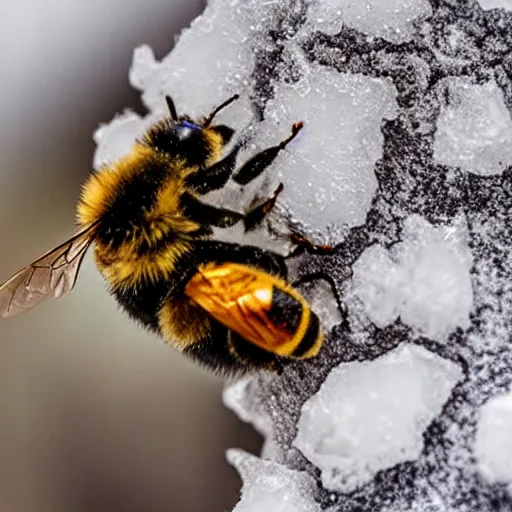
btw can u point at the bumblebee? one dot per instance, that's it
(228, 306)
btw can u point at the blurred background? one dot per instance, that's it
(95, 415)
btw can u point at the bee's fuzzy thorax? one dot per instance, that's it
(215, 144)
(141, 229)
(103, 186)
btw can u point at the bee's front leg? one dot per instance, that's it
(259, 162)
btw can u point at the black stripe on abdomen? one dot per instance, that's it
(285, 310)
(310, 337)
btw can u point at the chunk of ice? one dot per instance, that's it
(214, 51)
(371, 416)
(496, 4)
(320, 297)
(271, 487)
(334, 155)
(392, 20)
(474, 131)
(241, 397)
(115, 140)
(424, 280)
(493, 446)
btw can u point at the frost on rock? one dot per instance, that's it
(405, 166)
(370, 416)
(269, 486)
(423, 280)
(392, 20)
(474, 129)
(494, 439)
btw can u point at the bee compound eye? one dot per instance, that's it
(184, 132)
(185, 129)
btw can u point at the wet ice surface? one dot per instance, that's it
(405, 165)
(371, 415)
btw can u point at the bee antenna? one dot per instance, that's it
(209, 119)
(172, 108)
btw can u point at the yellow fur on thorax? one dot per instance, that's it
(215, 144)
(101, 187)
(126, 268)
(125, 265)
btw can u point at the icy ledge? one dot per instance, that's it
(371, 416)
(405, 166)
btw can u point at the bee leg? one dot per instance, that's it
(208, 215)
(215, 176)
(258, 163)
(303, 244)
(257, 214)
(213, 351)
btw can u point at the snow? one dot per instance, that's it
(370, 416)
(327, 311)
(493, 444)
(392, 20)
(496, 4)
(269, 486)
(240, 397)
(115, 140)
(475, 128)
(216, 40)
(335, 154)
(424, 280)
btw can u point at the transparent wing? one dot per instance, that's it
(49, 277)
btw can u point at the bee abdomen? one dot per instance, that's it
(295, 317)
(285, 310)
(310, 342)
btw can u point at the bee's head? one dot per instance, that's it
(181, 137)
